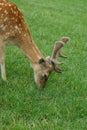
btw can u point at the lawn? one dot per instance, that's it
(62, 105)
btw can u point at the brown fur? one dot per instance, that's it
(14, 30)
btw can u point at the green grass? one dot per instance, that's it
(62, 105)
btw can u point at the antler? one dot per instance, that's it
(57, 53)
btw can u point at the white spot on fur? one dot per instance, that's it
(1, 26)
(1, 4)
(16, 27)
(25, 35)
(6, 12)
(4, 27)
(5, 19)
(9, 5)
(19, 31)
(12, 10)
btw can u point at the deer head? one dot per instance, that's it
(45, 66)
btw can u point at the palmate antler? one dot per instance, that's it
(57, 53)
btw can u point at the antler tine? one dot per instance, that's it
(57, 47)
(57, 53)
(65, 39)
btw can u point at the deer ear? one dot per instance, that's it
(42, 62)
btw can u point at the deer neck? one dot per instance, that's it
(31, 50)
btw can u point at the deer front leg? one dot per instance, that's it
(2, 63)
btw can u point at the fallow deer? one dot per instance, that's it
(14, 30)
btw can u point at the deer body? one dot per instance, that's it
(14, 30)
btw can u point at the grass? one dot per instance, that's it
(62, 105)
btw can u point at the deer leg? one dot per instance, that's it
(2, 63)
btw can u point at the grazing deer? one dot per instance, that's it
(14, 30)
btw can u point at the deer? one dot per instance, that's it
(14, 31)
